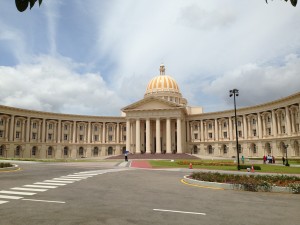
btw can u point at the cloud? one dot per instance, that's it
(53, 84)
(258, 83)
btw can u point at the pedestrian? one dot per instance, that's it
(283, 160)
(265, 159)
(126, 156)
(243, 159)
(273, 158)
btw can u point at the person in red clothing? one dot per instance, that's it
(265, 159)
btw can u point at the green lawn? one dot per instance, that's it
(264, 167)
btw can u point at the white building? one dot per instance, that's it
(161, 122)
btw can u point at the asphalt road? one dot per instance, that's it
(118, 196)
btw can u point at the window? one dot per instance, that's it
(196, 136)
(50, 126)
(269, 131)
(34, 125)
(1, 133)
(17, 134)
(209, 126)
(224, 124)
(225, 134)
(18, 149)
(33, 151)
(124, 128)
(81, 151)
(96, 138)
(240, 148)
(49, 136)
(269, 119)
(124, 137)
(240, 133)
(109, 137)
(1, 122)
(65, 137)
(81, 137)
(95, 128)
(18, 123)
(50, 151)
(66, 151)
(195, 127)
(253, 121)
(210, 135)
(210, 150)
(254, 132)
(110, 128)
(283, 129)
(80, 127)
(224, 149)
(33, 136)
(1, 150)
(254, 148)
(239, 123)
(66, 127)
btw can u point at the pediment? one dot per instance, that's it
(151, 103)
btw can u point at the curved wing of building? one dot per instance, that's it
(161, 122)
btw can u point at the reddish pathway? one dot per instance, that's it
(140, 164)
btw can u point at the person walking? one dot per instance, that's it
(126, 156)
(283, 160)
(243, 159)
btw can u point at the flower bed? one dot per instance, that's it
(251, 182)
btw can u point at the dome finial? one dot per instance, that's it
(162, 69)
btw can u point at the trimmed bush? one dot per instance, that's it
(3, 165)
(244, 167)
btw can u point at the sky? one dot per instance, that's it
(95, 57)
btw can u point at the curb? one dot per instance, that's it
(230, 186)
(10, 169)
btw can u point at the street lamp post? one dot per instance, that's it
(234, 93)
(286, 161)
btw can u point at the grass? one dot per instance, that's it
(264, 167)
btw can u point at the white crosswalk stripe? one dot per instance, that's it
(47, 183)
(83, 176)
(59, 181)
(10, 197)
(67, 179)
(2, 202)
(17, 193)
(28, 189)
(39, 186)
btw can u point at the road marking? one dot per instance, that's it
(39, 186)
(36, 200)
(59, 181)
(17, 193)
(2, 202)
(90, 174)
(195, 185)
(67, 179)
(165, 210)
(76, 177)
(10, 197)
(55, 184)
(28, 189)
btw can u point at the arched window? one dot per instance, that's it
(81, 151)
(210, 150)
(95, 151)
(50, 151)
(33, 151)
(110, 151)
(18, 150)
(66, 151)
(2, 147)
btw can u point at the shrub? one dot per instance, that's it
(244, 167)
(3, 165)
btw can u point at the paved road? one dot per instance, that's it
(100, 193)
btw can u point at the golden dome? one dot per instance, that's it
(162, 83)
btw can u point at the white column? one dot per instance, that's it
(23, 130)
(148, 150)
(118, 133)
(6, 128)
(104, 134)
(128, 135)
(43, 130)
(168, 136)
(245, 127)
(264, 127)
(40, 131)
(47, 131)
(138, 136)
(293, 121)
(59, 132)
(274, 125)
(28, 129)
(279, 123)
(288, 121)
(158, 144)
(89, 133)
(230, 128)
(259, 125)
(188, 131)
(202, 130)
(74, 131)
(216, 130)
(12, 126)
(179, 146)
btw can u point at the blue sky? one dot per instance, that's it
(94, 57)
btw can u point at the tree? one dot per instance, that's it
(293, 2)
(23, 4)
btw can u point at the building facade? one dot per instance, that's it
(161, 122)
